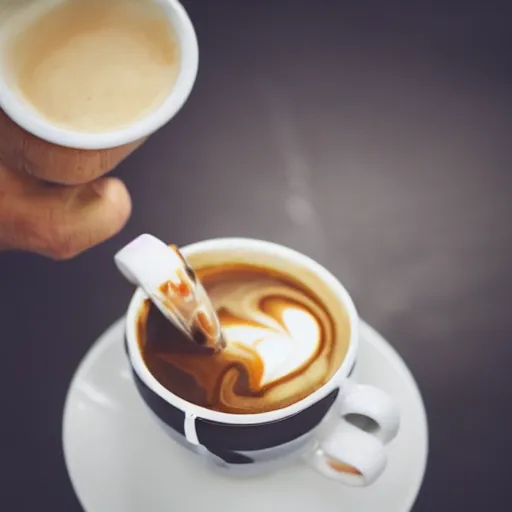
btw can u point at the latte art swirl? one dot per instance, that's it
(279, 325)
(281, 341)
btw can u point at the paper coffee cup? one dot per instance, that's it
(26, 116)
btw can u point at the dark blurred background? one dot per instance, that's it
(376, 137)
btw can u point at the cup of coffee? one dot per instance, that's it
(283, 388)
(96, 74)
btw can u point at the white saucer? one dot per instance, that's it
(119, 459)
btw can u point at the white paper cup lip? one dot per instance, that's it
(28, 118)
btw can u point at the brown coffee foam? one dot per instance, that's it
(230, 381)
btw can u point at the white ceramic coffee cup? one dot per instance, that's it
(29, 119)
(341, 429)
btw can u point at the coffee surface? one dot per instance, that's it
(281, 344)
(95, 65)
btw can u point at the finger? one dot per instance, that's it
(61, 222)
(22, 151)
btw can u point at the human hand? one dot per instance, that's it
(73, 209)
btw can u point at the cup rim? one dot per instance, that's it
(196, 411)
(28, 119)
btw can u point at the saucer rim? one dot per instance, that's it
(371, 336)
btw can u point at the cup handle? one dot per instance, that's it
(353, 452)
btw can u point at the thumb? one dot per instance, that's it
(61, 222)
(88, 216)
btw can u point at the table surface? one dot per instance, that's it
(373, 136)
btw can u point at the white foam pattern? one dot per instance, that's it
(281, 324)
